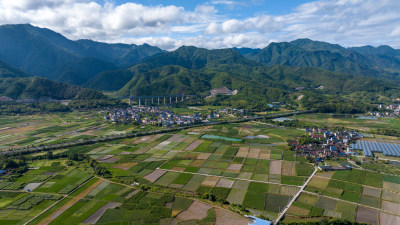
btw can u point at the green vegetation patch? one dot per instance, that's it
(258, 187)
(254, 200)
(183, 178)
(341, 174)
(347, 210)
(303, 169)
(292, 180)
(369, 201)
(350, 196)
(326, 203)
(275, 203)
(392, 179)
(181, 203)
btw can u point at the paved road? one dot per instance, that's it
(280, 215)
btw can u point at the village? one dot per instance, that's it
(323, 144)
(163, 117)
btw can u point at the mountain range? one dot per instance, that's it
(260, 75)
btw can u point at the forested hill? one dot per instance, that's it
(9, 71)
(380, 62)
(190, 70)
(17, 85)
(43, 52)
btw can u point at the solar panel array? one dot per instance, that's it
(368, 147)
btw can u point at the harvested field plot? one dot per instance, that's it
(235, 167)
(223, 182)
(390, 207)
(243, 152)
(153, 176)
(210, 181)
(386, 218)
(193, 145)
(224, 217)
(367, 215)
(125, 166)
(196, 211)
(391, 186)
(275, 167)
(373, 192)
(253, 153)
(288, 168)
(390, 196)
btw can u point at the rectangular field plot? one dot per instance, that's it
(236, 196)
(193, 183)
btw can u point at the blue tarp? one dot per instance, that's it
(258, 221)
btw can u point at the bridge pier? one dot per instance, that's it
(158, 100)
(170, 100)
(139, 102)
(165, 102)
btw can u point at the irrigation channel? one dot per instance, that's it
(27, 150)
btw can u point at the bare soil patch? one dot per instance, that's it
(288, 168)
(224, 217)
(203, 156)
(253, 153)
(193, 145)
(210, 181)
(110, 160)
(153, 176)
(180, 169)
(385, 218)
(223, 182)
(196, 211)
(367, 215)
(125, 166)
(275, 167)
(235, 167)
(391, 207)
(243, 151)
(370, 191)
(92, 219)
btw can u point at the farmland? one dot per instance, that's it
(197, 175)
(356, 195)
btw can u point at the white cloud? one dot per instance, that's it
(346, 22)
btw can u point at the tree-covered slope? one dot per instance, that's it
(38, 87)
(381, 62)
(43, 52)
(9, 71)
(201, 70)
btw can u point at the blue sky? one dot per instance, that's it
(212, 24)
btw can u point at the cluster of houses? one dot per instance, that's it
(149, 115)
(327, 143)
(393, 110)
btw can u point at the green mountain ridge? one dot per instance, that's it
(201, 70)
(43, 52)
